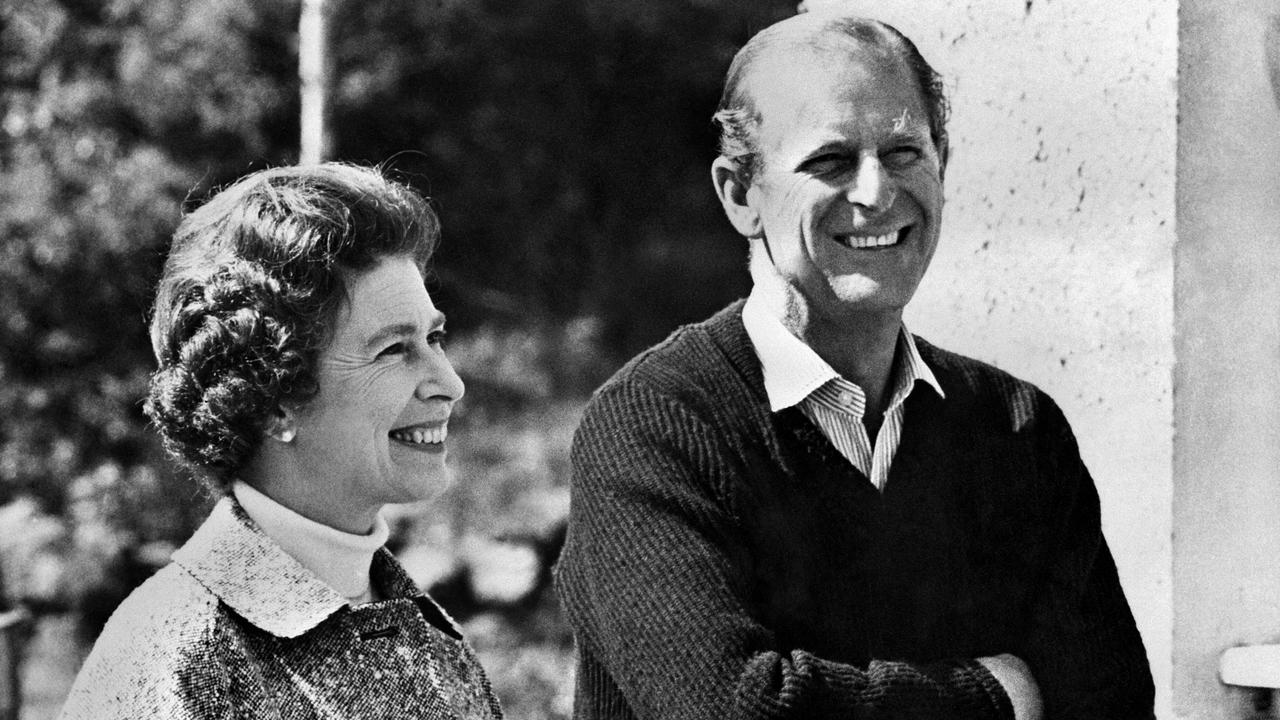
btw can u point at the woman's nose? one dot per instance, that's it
(871, 187)
(439, 379)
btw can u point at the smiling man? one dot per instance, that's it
(798, 509)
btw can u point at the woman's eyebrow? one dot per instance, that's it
(394, 330)
(404, 329)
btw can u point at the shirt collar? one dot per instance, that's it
(792, 370)
(914, 368)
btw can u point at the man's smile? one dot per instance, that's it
(862, 241)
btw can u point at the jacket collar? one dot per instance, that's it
(248, 572)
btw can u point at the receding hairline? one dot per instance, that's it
(814, 28)
(818, 40)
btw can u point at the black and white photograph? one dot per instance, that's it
(655, 360)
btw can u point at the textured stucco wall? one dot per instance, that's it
(1056, 260)
(1227, 457)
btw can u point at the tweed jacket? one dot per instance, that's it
(724, 561)
(234, 627)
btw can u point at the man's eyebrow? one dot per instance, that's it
(918, 133)
(831, 142)
(903, 120)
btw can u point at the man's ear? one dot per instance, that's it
(282, 426)
(732, 191)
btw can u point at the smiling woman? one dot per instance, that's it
(302, 375)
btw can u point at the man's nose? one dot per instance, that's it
(439, 379)
(871, 187)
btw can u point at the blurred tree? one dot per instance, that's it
(315, 72)
(566, 144)
(110, 115)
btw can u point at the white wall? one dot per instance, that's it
(1227, 459)
(1056, 260)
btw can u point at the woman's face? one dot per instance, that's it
(375, 432)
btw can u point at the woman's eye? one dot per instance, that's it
(391, 350)
(436, 338)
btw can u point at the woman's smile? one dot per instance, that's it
(429, 438)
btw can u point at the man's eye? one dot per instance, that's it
(437, 338)
(901, 156)
(392, 350)
(826, 164)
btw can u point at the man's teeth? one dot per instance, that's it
(420, 436)
(870, 241)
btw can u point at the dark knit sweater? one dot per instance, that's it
(724, 561)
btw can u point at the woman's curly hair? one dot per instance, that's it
(249, 295)
(738, 118)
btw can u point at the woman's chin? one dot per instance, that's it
(423, 485)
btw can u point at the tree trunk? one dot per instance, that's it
(315, 70)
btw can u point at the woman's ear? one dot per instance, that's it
(282, 426)
(732, 190)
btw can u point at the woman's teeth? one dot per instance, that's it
(869, 241)
(420, 436)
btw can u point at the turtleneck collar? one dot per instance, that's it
(340, 559)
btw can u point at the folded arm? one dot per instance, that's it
(650, 579)
(1083, 646)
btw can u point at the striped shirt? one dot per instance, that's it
(794, 375)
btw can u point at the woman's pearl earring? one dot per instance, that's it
(286, 435)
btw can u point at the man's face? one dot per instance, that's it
(849, 193)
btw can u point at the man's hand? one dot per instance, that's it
(1018, 683)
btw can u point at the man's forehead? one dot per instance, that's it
(823, 46)
(809, 85)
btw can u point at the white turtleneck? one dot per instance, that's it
(340, 559)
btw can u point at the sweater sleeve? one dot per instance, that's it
(1083, 648)
(650, 581)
